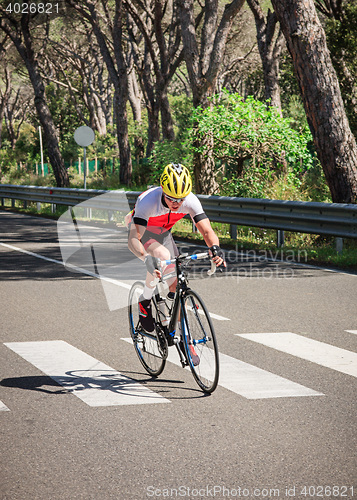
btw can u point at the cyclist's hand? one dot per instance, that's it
(153, 265)
(217, 255)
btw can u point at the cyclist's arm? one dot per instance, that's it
(205, 228)
(134, 241)
(128, 218)
(210, 237)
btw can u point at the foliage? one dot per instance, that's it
(253, 144)
(65, 117)
(15, 174)
(25, 148)
(296, 113)
(254, 168)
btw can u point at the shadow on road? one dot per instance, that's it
(74, 383)
(34, 383)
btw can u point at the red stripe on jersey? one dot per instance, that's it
(166, 220)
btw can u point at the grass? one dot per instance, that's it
(99, 180)
(298, 247)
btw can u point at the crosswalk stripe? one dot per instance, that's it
(212, 315)
(87, 378)
(217, 316)
(3, 407)
(315, 351)
(250, 381)
(351, 331)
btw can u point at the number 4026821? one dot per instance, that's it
(33, 8)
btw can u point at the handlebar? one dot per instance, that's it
(197, 256)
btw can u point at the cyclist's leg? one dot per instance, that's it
(145, 305)
(164, 248)
(153, 245)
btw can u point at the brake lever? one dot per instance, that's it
(213, 269)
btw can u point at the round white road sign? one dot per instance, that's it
(84, 136)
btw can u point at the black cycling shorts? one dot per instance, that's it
(164, 239)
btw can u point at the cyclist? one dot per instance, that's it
(150, 223)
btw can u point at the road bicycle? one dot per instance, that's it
(184, 322)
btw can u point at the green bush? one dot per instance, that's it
(253, 145)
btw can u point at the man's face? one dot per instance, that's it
(173, 203)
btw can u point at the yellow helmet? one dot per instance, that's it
(176, 180)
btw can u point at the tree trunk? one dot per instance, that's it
(153, 126)
(100, 121)
(204, 168)
(134, 97)
(123, 96)
(123, 140)
(49, 129)
(271, 82)
(270, 47)
(203, 67)
(4, 98)
(167, 124)
(50, 136)
(334, 142)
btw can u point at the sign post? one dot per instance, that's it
(84, 136)
(41, 148)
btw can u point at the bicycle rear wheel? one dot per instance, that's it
(146, 345)
(200, 342)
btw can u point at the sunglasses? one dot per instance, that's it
(174, 200)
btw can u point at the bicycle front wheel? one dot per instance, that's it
(146, 345)
(200, 342)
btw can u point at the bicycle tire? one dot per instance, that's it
(146, 345)
(198, 334)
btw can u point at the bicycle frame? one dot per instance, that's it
(181, 288)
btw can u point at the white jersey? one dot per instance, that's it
(152, 212)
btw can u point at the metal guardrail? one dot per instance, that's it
(335, 219)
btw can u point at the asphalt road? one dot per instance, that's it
(163, 438)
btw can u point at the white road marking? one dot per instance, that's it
(317, 352)
(217, 316)
(3, 407)
(212, 315)
(87, 378)
(71, 266)
(89, 273)
(250, 381)
(351, 331)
